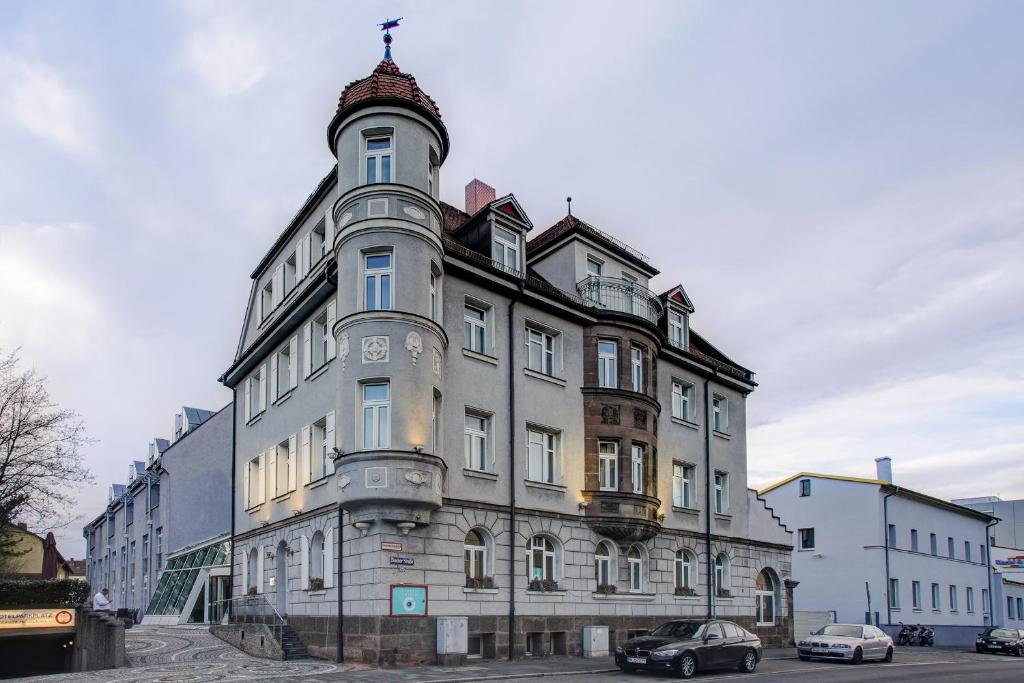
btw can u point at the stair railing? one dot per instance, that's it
(254, 609)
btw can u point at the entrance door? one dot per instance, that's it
(218, 594)
(281, 578)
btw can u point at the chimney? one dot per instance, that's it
(883, 469)
(478, 194)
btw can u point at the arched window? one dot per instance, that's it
(686, 572)
(635, 564)
(316, 559)
(542, 560)
(722, 573)
(251, 572)
(764, 595)
(603, 564)
(475, 556)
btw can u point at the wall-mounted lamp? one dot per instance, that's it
(296, 512)
(271, 555)
(661, 519)
(582, 507)
(264, 523)
(418, 448)
(337, 452)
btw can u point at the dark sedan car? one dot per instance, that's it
(1008, 640)
(686, 647)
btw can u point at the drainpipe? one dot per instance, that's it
(511, 477)
(885, 533)
(339, 655)
(234, 478)
(988, 573)
(708, 483)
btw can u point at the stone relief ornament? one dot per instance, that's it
(343, 348)
(416, 478)
(639, 418)
(376, 477)
(414, 212)
(344, 480)
(414, 345)
(437, 362)
(375, 349)
(345, 218)
(609, 415)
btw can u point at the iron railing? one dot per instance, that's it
(252, 609)
(465, 252)
(618, 294)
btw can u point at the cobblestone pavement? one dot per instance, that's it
(190, 654)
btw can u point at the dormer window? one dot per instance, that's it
(505, 249)
(677, 329)
(377, 153)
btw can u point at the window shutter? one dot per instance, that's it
(273, 378)
(291, 461)
(272, 471)
(293, 362)
(259, 306)
(248, 398)
(304, 563)
(245, 571)
(259, 569)
(329, 231)
(300, 271)
(263, 387)
(307, 349)
(329, 558)
(329, 437)
(332, 316)
(305, 456)
(261, 480)
(277, 285)
(245, 478)
(307, 253)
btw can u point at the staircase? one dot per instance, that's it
(291, 645)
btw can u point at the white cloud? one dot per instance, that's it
(225, 49)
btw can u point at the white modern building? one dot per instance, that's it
(871, 551)
(1006, 539)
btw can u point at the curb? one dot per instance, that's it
(506, 677)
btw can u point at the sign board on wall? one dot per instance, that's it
(408, 600)
(37, 618)
(391, 546)
(402, 560)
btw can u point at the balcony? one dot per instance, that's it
(622, 516)
(620, 295)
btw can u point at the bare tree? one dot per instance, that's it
(40, 450)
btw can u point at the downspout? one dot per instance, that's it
(339, 654)
(234, 485)
(885, 534)
(708, 482)
(988, 573)
(511, 477)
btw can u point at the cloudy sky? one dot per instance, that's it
(839, 186)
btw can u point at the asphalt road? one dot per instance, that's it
(934, 666)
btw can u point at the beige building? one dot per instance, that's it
(31, 556)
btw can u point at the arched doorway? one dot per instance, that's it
(281, 578)
(764, 598)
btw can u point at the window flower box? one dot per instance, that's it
(724, 593)
(543, 585)
(607, 589)
(316, 583)
(686, 591)
(482, 582)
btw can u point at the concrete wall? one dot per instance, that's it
(99, 642)
(253, 639)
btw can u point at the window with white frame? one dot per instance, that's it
(377, 154)
(318, 246)
(953, 604)
(476, 441)
(542, 456)
(540, 351)
(284, 375)
(967, 550)
(594, 267)
(317, 548)
(284, 466)
(894, 593)
(290, 272)
(970, 599)
(377, 275)
(603, 564)
(433, 296)
(267, 300)
(915, 594)
(607, 364)
(636, 365)
(254, 482)
(682, 401)
(806, 539)
(913, 540)
(636, 459)
(321, 447)
(721, 573)
(435, 423)
(676, 329)
(376, 415)
(608, 465)
(682, 485)
(474, 327)
(720, 413)
(475, 555)
(936, 598)
(685, 570)
(505, 249)
(541, 560)
(764, 595)
(721, 493)
(256, 393)
(635, 565)
(251, 571)
(951, 547)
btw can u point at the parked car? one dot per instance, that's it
(687, 646)
(1008, 640)
(847, 642)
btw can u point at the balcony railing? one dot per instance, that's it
(624, 296)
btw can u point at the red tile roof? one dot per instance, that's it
(387, 82)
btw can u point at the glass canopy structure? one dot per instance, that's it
(177, 593)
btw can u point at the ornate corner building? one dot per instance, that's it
(439, 414)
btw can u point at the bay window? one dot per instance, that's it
(377, 282)
(377, 154)
(607, 364)
(376, 415)
(608, 465)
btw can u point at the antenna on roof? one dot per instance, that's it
(386, 26)
(568, 201)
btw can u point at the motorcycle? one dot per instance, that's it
(925, 636)
(906, 636)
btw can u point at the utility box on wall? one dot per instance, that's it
(595, 641)
(453, 640)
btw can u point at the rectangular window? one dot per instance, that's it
(805, 488)
(435, 423)
(967, 550)
(970, 599)
(255, 481)
(378, 159)
(594, 267)
(607, 364)
(913, 540)
(984, 601)
(894, 593)
(540, 351)
(682, 401)
(474, 326)
(266, 300)
(676, 330)
(951, 545)
(721, 493)
(320, 448)
(433, 297)
(321, 348)
(682, 485)
(1020, 608)
(281, 467)
(145, 567)
(637, 468)
(892, 535)
(952, 598)
(475, 441)
(283, 371)
(915, 587)
(505, 248)
(377, 282)
(1009, 608)
(806, 539)
(719, 413)
(318, 242)
(636, 364)
(608, 465)
(934, 543)
(936, 601)
(542, 456)
(984, 553)
(376, 415)
(290, 271)
(158, 547)
(256, 393)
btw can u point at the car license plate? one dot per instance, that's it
(994, 646)
(819, 649)
(636, 660)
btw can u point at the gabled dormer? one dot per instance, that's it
(496, 228)
(676, 323)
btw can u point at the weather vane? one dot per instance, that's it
(386, 27)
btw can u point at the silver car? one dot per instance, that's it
(847, 642)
